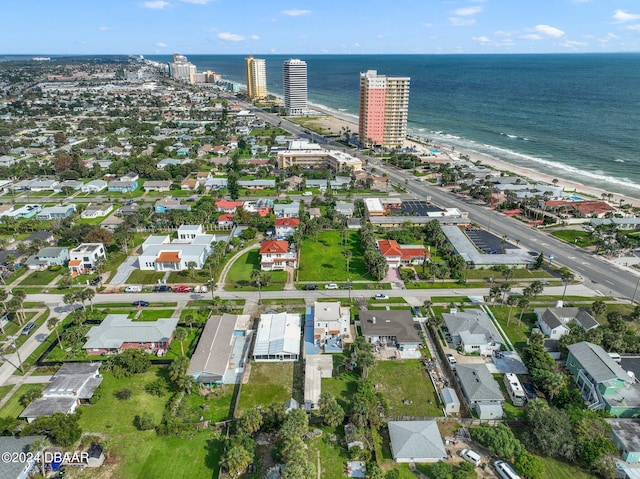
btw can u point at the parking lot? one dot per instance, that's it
(487, 242)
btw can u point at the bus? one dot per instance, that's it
(504, 470)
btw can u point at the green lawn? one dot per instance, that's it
(4, 390)
(13, 406)
(406, 380)
(563, 470)
(138, 276)
(518, 333)
(450, 299)
(151, 314)
(239, 276)
(42, 278)
(343, 384)
(268, 383)
(577, 237)
(518, 273)
(324, 260)
(142, 454)
(197, 276)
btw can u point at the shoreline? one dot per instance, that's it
(338, 120)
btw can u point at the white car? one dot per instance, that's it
(307, 193)
(133, 289)
(331, 286)
(381, 296)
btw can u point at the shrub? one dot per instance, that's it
(123, 394)
(143, 422)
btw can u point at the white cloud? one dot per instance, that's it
(296, 13)
(467, 12)
(482, 39)
(156, 4)
(161, 44)
(230, 37)
(620, 16)
(461, 22)
(546, 31)
(573, 44)
(104, 29)
(254, 37)
(196, 2)
(635, 28)
(531, 36)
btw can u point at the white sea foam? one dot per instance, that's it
(618, 160)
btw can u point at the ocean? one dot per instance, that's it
(575, 117)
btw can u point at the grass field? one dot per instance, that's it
(142, 454)
(324, 260)
(151, 314)
(13, 406)
(239, 276)
(41, 278)
(518, 334)
(406, 380)
(518, 273)
(138, 276)
(268, 383)
(576, 237)
(562, 470)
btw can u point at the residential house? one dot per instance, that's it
(315, 213)
(157, 185)
(97, 210)
(225, 220)
(331, 325)
(480, 390)
(26, 211)
(203, 176)
(555, 322)
(262, 206)
(118, 332)
(71, 184)
(169, 161)
(625, 434)
(56, 212)
(275, 255)
(128, 210)
(44, 236)
(285, 227)
(94, 186)
(391, 329)
(168, 203)
(214, 360)
(48, 256)
(192, 247)
(122, 186)
(416, 441)
(43, 185)
(473, 331)
(397, 255)
(27, 460)
(344, 208)
(85, 257)
(602, 382)
(73, 384)
(205, 149)
(294, 182)
(189, 184)
(228, 206)
(278, 337)
(216, 183)
(257, 184)
(287, 210)
(111, 222)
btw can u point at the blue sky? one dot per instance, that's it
(320, 26)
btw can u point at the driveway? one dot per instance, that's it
(124, 270)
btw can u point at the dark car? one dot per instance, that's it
(416, 311)
(346, 286)
(140, 303)
(310, 287)
(96, 280)
(163, 288)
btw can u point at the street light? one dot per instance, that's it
(17, 354)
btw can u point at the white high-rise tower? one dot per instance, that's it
(295, 87)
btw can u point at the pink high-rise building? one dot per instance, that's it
(384, 105)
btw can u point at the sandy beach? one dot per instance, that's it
(336, 121)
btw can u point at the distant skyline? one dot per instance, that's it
(312, 27)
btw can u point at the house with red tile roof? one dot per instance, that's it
(581, 209)
(275, 255)
(397, 255)
(285, 227)
(225, 220)
(228, 206)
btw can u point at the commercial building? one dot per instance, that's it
(294, 72)
(182, 69)
(256, 77)
(384, 106)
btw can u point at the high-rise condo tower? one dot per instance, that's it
(384, 106)
(256, 78)
(294, 74)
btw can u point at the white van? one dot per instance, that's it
(616, 357)
(133, 289)
(504, 470)
(471, 456)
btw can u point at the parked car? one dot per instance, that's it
(452, 361)
(95, 281)
(307, 193)
(310, 287)
(162, 288)
(331, 286)
(182, 289)
(381, 296)
(133, 289)
(346, 286)
(416, 311)
(28, 328)
(200, 289)
(139, 303)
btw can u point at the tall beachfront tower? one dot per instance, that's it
(384, 106)
(256, 77)
(182, 69)
(294, 73)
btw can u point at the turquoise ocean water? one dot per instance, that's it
(572, 116)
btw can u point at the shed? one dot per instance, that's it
(450, 400)
(96, 456)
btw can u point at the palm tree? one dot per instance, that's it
(87, 294)
(191, 266)
(178, 368)
(256, 277)
(567, 276)
(522, 303)
(348, 254)
(36, 448)
(180, 335)
(189, 320)
(511, 302)
(52, 323)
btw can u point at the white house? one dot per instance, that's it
(275, 255)
(84, 258)
(278, 337)
(473, 330)
(554, 322)
(97, 210)
(193, 245)
(94, 186)
(285, 227)
(330, 325)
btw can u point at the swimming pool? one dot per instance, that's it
(575, 198)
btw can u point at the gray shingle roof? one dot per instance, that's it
(211, 356)
(596, 362)
(390, 323)
(12, 444)
(477, 383)
(118, 328)
(416, 439)
(472, 322)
